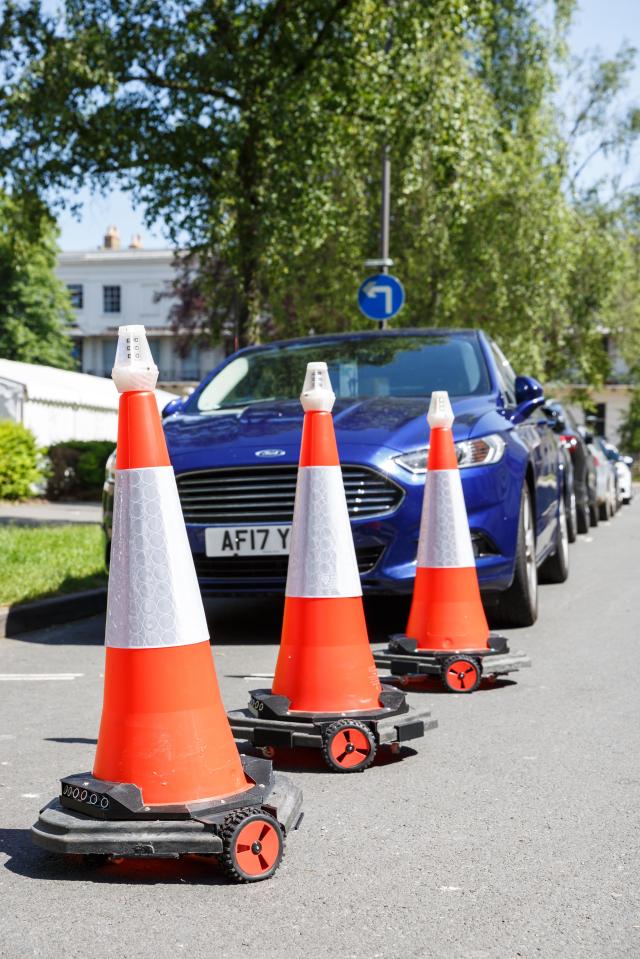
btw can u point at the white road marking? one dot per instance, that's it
(37, 677)
(450, 888)
(30, 795)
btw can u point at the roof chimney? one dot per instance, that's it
(112, 238)
(136, 242)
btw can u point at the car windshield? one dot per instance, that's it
(397, 366)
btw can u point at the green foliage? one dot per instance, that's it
(630, 426)
(34, 306)
(18, 460)
(47, 560)
(77, 468)
(254, 129)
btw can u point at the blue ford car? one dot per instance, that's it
(234, 444)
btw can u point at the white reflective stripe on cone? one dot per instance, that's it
(153, 599)
(445, 540)
(322, 557)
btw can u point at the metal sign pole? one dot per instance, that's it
(385, 217)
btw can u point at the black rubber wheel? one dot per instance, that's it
(603, 511)
(253, 845)
(518, 605)
(582, 512)
(593, 514)
(348, 746)
(555, 569)
(461, 674)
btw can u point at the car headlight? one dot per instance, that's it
(480, 452)
(110, 468)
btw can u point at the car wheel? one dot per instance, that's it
(572, 519)
(518, 605)
(556, 568)
(603, 510)
(593, 514)
(582, 511)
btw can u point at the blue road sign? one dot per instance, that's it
(381, 296)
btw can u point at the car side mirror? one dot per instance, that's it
(173, 406)
(529, 396)
(556, 420)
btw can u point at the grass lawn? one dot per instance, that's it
(44, 560)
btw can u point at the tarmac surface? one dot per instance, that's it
(511, 831)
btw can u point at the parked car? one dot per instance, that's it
(584, 470)
(624, 482)
(622, 465)
(606, 480)
(234, 444)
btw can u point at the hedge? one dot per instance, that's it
(18, 460)
(77, 468)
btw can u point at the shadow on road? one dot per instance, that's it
(71, 739)
(430, 684)
(26, 859)
(304, 760)
(247, 620)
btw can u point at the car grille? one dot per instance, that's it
(267, 567)
(266, 494)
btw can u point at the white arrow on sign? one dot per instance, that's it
(372, 289)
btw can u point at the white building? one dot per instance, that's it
(110, 287)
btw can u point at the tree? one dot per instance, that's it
(249, 127)
(34, 305)
(229, 120)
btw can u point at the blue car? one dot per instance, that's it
(234, 444)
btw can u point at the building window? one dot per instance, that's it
(76, 295)
(111, 299)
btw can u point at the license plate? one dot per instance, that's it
(247, 540)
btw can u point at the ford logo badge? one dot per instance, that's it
(270, 453)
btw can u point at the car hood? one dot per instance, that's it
(227, 437)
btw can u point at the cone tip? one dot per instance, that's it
(133, 368)
(317, 393)
(440, 411)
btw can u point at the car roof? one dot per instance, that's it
(368, 335)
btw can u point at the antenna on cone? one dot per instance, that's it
(326, 692)
(447, 633)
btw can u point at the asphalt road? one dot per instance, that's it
(513, 831)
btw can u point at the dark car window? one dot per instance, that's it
(506, 374)
(395, 366)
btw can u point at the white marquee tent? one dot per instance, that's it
(58, 405)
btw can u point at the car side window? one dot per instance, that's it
(505, 373)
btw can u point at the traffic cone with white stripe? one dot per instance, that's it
(446, 612)
(163, 723)
(165, 746)
(325, 662)
(447, 619)
(325, 669)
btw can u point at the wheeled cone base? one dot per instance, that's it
(246, 831)
(349, 741)
(461, 671)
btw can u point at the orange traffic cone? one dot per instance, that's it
(325, 667)
(447, 632)
(446, 612)
(325, 663)
(163, 723)
(165, 747)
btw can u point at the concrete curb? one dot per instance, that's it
(24, 617)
